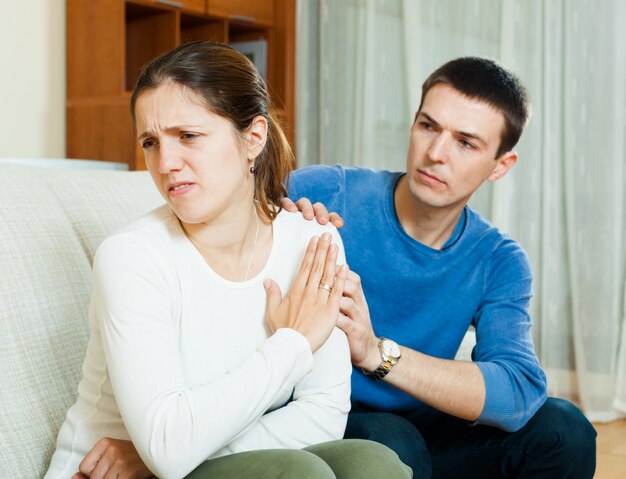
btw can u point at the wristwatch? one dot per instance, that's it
(390, 354)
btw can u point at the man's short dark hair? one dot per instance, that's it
(484, 79)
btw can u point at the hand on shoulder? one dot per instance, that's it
(310, 211)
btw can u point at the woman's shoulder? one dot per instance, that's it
(151, 229)
(296, 224)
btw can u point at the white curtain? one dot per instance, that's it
(360, 68)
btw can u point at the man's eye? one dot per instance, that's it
(426, 126)
(467, 144)
(188, 136)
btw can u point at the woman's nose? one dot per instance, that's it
(170, 159)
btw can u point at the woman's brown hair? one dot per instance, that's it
(232, 88)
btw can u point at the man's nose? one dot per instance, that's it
(439, 148)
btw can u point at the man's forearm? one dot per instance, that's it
(454, 387)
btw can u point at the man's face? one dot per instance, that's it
(453, 148)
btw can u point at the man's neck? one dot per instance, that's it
(429, 225)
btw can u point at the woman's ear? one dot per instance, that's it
(256, 136)
(504, 164)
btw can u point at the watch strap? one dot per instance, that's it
(380, 372)
(385, 366)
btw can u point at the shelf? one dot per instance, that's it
(100, 130)
(194, 28)
(150, 32)
(261, 12)
(109, 42)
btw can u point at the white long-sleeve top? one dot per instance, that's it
(179, 359)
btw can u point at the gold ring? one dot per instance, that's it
(325, 286)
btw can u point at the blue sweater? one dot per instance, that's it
(426, 299)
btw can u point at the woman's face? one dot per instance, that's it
(196, 158)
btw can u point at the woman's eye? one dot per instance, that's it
(187, 136)
(147, 144)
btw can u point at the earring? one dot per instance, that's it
(252, 169)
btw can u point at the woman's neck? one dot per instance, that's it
(233, 246)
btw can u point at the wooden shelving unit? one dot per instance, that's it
(108, 41)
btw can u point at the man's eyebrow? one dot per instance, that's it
(465, 134)
(428, 117)
(473, 136)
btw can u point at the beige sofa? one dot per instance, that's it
(51, 222)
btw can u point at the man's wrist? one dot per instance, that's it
(389, 354)
(372, 358)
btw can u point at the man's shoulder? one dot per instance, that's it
(502, 250)
(483, 228)
(339, 173)
(319, 171)
(317, 182)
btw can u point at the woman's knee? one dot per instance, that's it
(265, 464)
(296, 464)
(358, 458)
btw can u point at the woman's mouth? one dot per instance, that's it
(178, 189)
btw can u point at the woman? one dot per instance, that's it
(187, 358)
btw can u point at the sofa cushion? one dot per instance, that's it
(51, 222)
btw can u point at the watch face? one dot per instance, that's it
(390, 348)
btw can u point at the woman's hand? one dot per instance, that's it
(312, 305)
(112, 458)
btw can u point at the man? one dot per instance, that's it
(430, 268)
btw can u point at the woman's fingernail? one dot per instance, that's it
(326, 237)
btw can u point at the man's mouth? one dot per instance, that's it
(431, 177)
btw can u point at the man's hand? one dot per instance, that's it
(355, 321)
(113, 458)
(454, 387)
(310, 211)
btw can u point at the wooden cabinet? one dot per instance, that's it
(108, 42)
(250, 11)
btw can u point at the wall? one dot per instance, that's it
(32, 79)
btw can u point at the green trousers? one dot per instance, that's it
(342, 459)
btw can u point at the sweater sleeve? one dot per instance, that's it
(504, 352)
(321, 400)
(174, 426)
